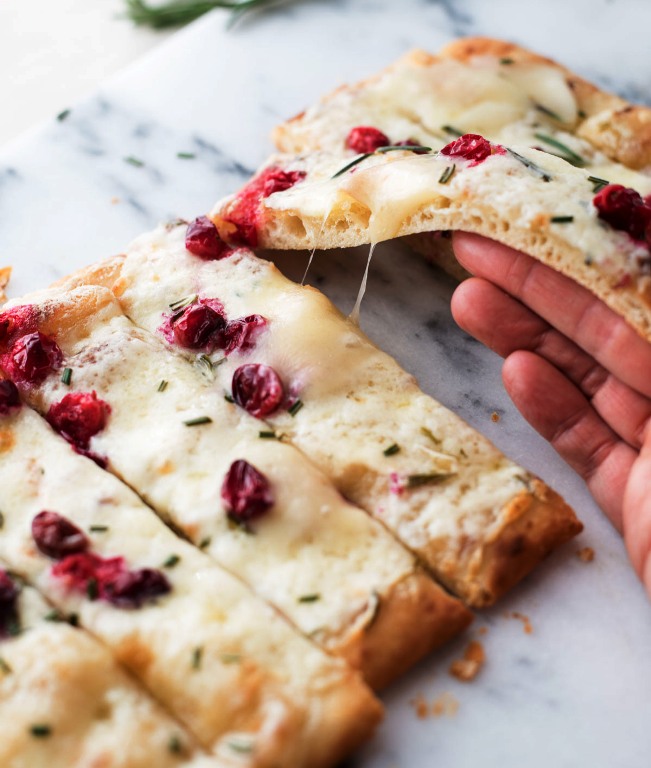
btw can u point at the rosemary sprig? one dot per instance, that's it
(391, 450)
(40, 730)
(562, 219)
(452, 131)
(416, 148)
(134, 161)
(197, 421)
(547, 111)
(66, 376)
(530, 165)
(599, 184)
(433, 478)
(179, 304)
(185, 155)
(569, 154)
(447, 174)
(351, 164)
(295, 408)
(309, 598)
(162, 386)
(178, 12)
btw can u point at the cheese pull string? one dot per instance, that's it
(316, 245)
(354, 315)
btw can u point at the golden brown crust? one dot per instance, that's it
(392, 642)
(621, 130)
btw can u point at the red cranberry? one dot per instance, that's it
(56, 537)
(77, 570)
(17, 320)
(245, 210)
(203, 240)
(9, 397)
(471, 146)
(130, 589)
(33, 357)
(241, 333)
(258, 389)
(365, 139)
(617, 204)
(8, 602)
(245, 492)
(78, 417)
(197, 325)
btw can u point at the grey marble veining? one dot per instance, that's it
(577, 690)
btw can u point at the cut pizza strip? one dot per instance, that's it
(252, 690)
(249, 500)
(65, 703)
(477, 520)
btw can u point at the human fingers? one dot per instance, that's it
(567, 306)
(505, 325)
(637, 514)
(563, 415)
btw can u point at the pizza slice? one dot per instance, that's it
(250, 689)
(486, 137)
(248, 499)
(66, 703)
(477, 520)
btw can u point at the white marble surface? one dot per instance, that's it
(577, 690)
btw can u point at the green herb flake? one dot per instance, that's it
(530, 165)
(162, 386)
(268, 434)
(66, 376)
(64, 115)
(431, 478)
(295, 408)
(391, 450)
(171, 561)
(92, 589)
(562, 219)
(418, 149)
(4, 667)
(582, 114)
(185, 155)
(312, 598)
(184, 302)
(452, 131)
(243, 747)
(598, 183)
(447, 174)
(178, 12)
(506, 61)
(98, 528)
(2, 521)
(569, 154)
(53, 615)
(351, 164)
(205, 542)
(197, 421)
(41, 730)
(547, 111)
(428, 433)
(229, 398)
(174, 745)
(197, 656)
(73, 620)
(230, 658)
(134, 161)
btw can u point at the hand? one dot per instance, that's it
(575, 370)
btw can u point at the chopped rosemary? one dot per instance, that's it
(268, 434)
(133, 161)
(230, 658)
(309, 598)
(582, 114)
(562, 219)
(547, 111)
(66, 376)
(205, 362)
(391, 450)
(171, 561)
(419, 149)
(428, 433)
(63, 115)
(73, 620)
(452, 130)
(241, 746)
(40, 730)
(179, 304)
(185, 155)
(351, 164)
(92, 589)
(570, 155)
(162, 386)
(53, 615)
(229, 398)
(295, 408)
(174, 745)
(205, 542)
(599, 184)
(197, 421)
(4, 667)
(447, 174)
(506, 60)
(98, 528)
(197, 655)
(415, 481)
(530, 165)
(2, 520)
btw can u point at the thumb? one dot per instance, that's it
(637, 513)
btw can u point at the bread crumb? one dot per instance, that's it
(467, 668)
(115, 200)
(482, 631)
(420, 706)
(586, 554)
(495, 417)
(5, 276)
(526, 622)
(445, 704)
